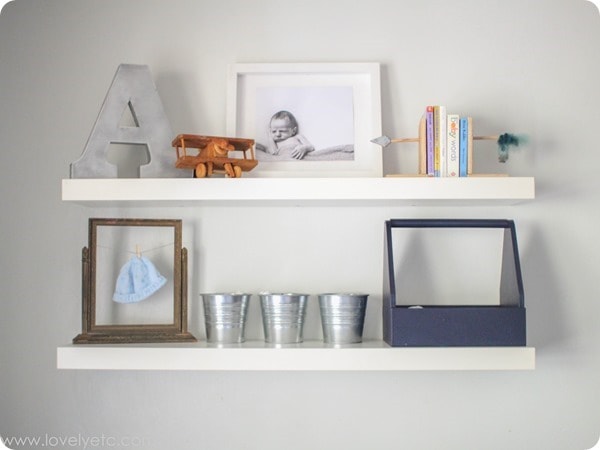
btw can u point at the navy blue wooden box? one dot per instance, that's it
(447, 326)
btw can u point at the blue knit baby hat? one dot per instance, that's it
(137, 280)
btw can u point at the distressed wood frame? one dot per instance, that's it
(133, 333)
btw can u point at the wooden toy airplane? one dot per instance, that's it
(213, 155)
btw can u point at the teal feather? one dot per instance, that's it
(505, 142)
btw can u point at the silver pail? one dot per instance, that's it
(283, 317)
(225, 317)
(342, 317)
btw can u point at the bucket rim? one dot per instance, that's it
(282, 294)
(225, 294)
(343, 294)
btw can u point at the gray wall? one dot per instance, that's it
(527, 67)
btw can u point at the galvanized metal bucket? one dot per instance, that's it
(225, 317)
(283, 317)
(342, 317)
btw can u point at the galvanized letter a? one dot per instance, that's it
(132, 89)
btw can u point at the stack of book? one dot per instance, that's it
(448, 143)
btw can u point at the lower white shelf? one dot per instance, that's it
(308, 356)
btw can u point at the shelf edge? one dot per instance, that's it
(253, 357)
(297, 189)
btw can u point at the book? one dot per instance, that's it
(439, 137)
(452, 145)
(470, 147)
(463, 152)
(429, 140)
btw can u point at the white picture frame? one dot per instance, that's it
(337, 107)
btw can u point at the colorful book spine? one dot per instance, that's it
(429, 140)
(439, 137)
(443, 142)
(463, 151)
(453, 145)
(470, 147)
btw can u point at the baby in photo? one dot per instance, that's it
(284, 139)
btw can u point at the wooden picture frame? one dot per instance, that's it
(336, 106)
(151, 307)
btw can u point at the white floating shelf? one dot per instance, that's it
(309, 356)
(404, 190)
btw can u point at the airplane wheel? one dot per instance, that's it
(229, 170)
(201, 170)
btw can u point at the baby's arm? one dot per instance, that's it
(270, 148)
(302, 148)
(260, 147)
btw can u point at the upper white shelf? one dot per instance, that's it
(401, 190)
(367, 356)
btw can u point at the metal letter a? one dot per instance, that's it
(132, 88)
